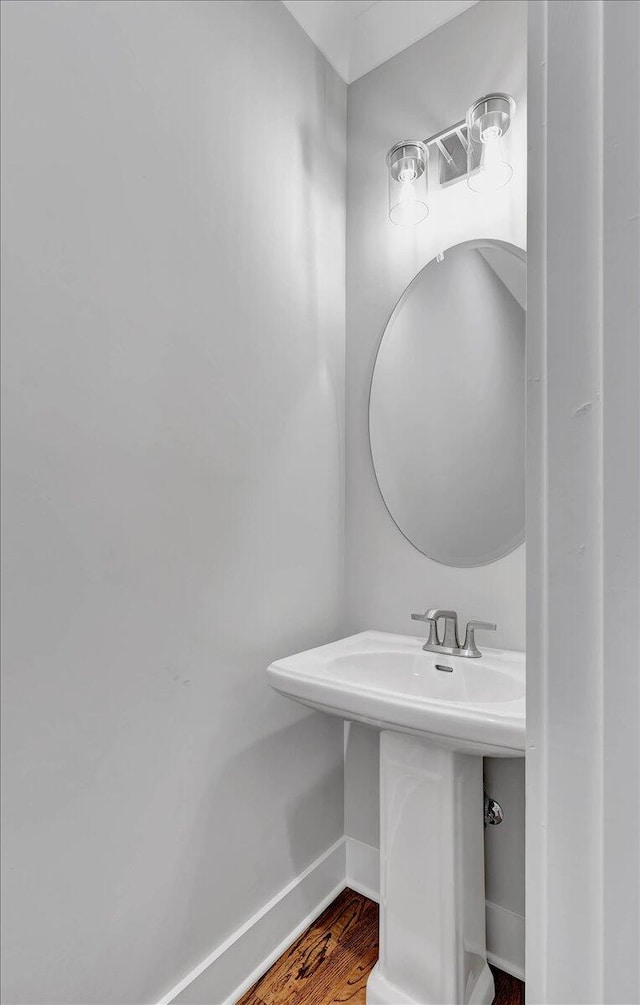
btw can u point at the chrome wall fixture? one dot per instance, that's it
(407, 163)
(475, 148)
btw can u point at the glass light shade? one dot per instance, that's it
(488, 157)
(489, 168)
(407, 164)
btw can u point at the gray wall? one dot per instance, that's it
(173, 325)
(418, 92)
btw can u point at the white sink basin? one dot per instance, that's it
(438, 715)
(389, 681)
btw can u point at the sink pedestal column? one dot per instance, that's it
(432, 909)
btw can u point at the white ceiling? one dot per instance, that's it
(357, 35)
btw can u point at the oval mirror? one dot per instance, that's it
(447, 405)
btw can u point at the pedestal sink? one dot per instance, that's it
(438, 716)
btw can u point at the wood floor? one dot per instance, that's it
(331, 961)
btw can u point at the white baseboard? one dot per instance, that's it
(363, 868)
(227, 972)
(505, 930)
(505, 939)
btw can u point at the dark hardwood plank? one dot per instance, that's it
(509, 990)
(359, 946)
(353, 988)
(312, 951)
(330, 963)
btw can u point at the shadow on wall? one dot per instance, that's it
(240, 787)
(319, 212)
(361, 762)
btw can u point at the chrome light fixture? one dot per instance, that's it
(407, 163)
(488, 121)
(475, 149)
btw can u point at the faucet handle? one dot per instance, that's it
(433, 628)
(470, 648)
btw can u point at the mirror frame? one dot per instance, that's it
(469, 245)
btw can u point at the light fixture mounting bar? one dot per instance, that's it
(448, 153)
(444, 134)
(461, 133)
(445, 153)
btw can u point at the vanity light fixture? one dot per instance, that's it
(488, 121)
(407, 163)
(475, 149)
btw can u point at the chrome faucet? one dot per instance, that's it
(450, 643)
